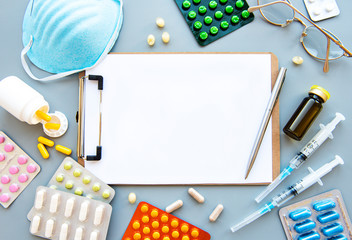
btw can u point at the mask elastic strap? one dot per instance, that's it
(29, 72)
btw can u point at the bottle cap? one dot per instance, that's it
(321, 92)
(60, 118)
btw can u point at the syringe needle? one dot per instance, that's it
(324, 133)
(291, 192)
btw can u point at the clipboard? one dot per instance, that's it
(98, 156)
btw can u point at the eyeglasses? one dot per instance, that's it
(318, 42)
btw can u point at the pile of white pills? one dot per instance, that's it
(165, 37)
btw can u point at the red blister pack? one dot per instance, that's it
(150, 222)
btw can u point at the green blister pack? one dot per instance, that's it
(210, 20)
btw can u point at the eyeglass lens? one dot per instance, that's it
(315, 42)
(277, 13)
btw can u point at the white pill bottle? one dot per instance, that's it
(22, 101)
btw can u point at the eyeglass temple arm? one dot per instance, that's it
(255, 8)
(326, 64)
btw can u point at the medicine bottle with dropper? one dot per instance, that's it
(306, 113)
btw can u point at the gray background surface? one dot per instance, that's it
(259, 36)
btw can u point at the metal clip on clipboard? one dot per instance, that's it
(81, 118)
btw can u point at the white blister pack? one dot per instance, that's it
(63, 216)
(321, 9)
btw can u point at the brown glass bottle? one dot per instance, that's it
(306, 113)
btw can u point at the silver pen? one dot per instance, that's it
(269, 109)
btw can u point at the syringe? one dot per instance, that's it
(319, 138)
(291, 192)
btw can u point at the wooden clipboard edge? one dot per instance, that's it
(275, 120)
(275, 114)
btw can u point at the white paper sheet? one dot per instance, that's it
(179, 118)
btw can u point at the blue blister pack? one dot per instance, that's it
(320, 217)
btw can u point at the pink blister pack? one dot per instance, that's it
(17, 170)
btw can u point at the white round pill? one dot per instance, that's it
(297, 60)
(160, 22)
(165, 37)
(151, 40)
(132, 198)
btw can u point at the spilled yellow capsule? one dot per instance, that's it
(43, 150)
(42, 115)
(46, 142)
(63, 149)
(53, 126)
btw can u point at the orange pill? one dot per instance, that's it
(184, 228)
(146, 230)
(175, 234)
(144, 208)
(164, 218)
(156, 235)
(154, 213)
(136, 225)
(145, 219)
(195, 233)
(174, 223)
(137, 236)
(155, 224)
(165, 229)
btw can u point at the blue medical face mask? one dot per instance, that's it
(68, 36)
